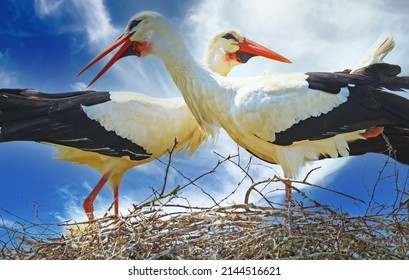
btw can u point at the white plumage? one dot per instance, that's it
(376, 53)
(152, 123)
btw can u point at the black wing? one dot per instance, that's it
(29, 115)
(370, 103)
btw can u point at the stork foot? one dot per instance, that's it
(88, 203)
(373, 132)
(88, 206)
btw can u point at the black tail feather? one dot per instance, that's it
(23, 104)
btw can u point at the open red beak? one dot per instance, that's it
(254, 49)
(128, 48)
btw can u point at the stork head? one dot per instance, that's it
(230, 48)
(149, 33)
(143, 35)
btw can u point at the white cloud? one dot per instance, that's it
(11, 224)
(8, 77)
(96, 20)
(88, 15)
(47, 7)
(78, 86)
(72, 203)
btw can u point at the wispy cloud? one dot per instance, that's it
(88, 15)
(96, 20)
(6, 79)
(6, 222)
(78, 86)
(72, 203)
(8, 76)
(46, 7)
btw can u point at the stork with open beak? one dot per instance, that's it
(288, 119)
(113, 131)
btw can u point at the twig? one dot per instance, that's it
(165, 178)
(309, 173)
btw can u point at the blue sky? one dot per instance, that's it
(44, 43)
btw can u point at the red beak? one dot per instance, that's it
(255, 49)
(123, 40)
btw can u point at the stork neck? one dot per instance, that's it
(203, 94)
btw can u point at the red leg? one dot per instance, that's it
(88, 203)
(116, 206)
(288, 192)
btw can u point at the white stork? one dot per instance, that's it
(288, 119)
(113, 131)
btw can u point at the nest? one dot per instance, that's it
(235, 232)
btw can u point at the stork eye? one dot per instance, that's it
(134, 23)
(229, 36)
